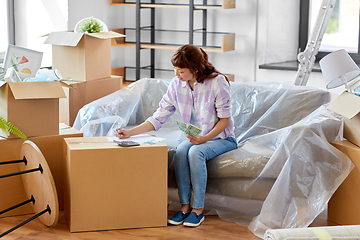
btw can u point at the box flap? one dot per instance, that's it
(37, 90)
(64, 38)
(347, 104)
(2, 83)
(106, 35)
(65, 84)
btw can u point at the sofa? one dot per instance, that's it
(284, 170)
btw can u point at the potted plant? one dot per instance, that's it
(89, 25)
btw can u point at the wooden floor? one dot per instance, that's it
(211, 228)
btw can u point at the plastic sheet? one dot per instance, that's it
(284, 171)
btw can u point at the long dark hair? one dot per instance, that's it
(196, 59)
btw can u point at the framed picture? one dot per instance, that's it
(25, 61)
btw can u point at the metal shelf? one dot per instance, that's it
(227, 42)
(227, 39)
(226, 4)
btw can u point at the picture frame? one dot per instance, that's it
(25, 61)
(11, 75)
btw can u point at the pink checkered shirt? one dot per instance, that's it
(211, 101)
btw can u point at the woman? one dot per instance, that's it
(201, 95)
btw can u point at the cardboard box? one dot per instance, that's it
(344, 207)
(83, 93)
(52, 147)
(113, 187)
(348, 105)
(80, 56)
(33, 107)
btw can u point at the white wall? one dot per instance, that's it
(36, 18)
(266, 31)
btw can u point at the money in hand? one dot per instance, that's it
(190, 129)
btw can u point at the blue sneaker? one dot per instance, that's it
(194, 220)
(178, 218)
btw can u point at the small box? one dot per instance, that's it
(344, 207)
(82, 56)
(33, 107)
(82, 93)
(348, 105)
(52, 147)
(113, 187)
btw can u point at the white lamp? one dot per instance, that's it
(338, 69)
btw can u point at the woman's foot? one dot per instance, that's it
(194, 220)
(178, 218)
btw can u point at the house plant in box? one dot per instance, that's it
(90, 25)
(8, 128)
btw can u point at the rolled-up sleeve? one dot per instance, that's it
(223, 98)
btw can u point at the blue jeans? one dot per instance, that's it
(190, 167)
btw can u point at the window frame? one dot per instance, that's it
(304, 33)
(10, 25)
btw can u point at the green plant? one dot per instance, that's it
(8, 128)
(90, 25)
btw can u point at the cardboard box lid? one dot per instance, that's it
(347, 104)
(37, 90)
(101, 143)
(73, 38)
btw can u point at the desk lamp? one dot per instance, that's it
(338, 69)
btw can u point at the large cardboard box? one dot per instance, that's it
(83, 93)
(80, 56)
(344, 205)
(113, 187)
(33, 107)
(52, 147)
(348, 105)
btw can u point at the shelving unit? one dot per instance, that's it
(227, 39)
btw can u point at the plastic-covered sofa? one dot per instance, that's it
(284, 170)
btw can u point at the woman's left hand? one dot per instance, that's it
(196, 140)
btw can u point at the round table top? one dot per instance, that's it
(40, 185)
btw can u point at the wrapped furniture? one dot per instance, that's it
(284, 170)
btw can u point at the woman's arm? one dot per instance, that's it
(219, 127)
(142, 128)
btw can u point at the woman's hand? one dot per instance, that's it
(122, 133)
(197, 140)
(144, 127)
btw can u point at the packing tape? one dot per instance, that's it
(321, 233)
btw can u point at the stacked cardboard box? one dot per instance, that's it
(82, 93)
(33, 107)
(85, 59)
(53, 149)
(344, 205)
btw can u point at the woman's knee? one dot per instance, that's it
(196, 155)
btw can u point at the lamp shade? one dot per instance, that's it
(337, 65)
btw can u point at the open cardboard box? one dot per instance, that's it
(33, 107)
(82, 56)
(348, 105)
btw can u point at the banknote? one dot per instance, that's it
(182, 126)
(193, 131)
(189, 129)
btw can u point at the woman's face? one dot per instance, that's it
(184, 74)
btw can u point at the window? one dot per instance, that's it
(7, 26)
(342, 30)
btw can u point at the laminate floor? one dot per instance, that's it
(212, 228)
